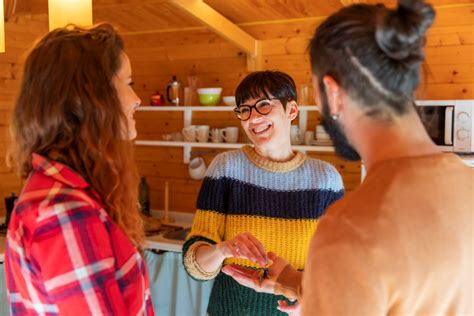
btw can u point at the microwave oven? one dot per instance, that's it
(450, 123)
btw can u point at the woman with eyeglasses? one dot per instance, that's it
(258, 200)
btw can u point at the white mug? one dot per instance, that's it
(197, 168)
(177, 137)
(167, 137)
(216, 136)
(189, 133)
(202, 133)
(308, 137)
(321, 133)
(295, 134)
(323, 136)
(320, 129)
(230, 134)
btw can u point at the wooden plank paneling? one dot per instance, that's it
(442, 55)
(132, 16)
(163, 41)
(250, 10)
(458, 73)
(20, 32)
(446, 91)
(450, 35)
(449, 72)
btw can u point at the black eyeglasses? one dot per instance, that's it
(263, 107)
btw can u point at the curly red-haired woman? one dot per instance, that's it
(73, 240)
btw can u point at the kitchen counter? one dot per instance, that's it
(158, 242)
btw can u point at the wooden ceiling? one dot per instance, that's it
(147, 16)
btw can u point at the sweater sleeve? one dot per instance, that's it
(209, 221)
(335, 183)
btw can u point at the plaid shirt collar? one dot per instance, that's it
(58, 171)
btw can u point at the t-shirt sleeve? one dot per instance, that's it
(339, 277)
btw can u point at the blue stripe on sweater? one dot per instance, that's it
(233, 197)
(311, 174)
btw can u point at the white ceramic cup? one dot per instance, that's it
(177, 137)
(308, 137)
(320, 129)
(230, 134)
(216, 136)
(189, 133)
(323, 136)
(321, 133)
(202, 133)
(295, 136)
(166, 137)
(197, 168)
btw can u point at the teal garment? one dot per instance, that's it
(4, 310)
(228, 298)
(173, 292)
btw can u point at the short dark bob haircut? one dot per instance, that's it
(266, 83)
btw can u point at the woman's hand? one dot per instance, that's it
(250, 277)
(244, 246)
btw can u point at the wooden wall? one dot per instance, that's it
(156, 56)
(21, 32)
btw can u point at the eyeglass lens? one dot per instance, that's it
(263, 107)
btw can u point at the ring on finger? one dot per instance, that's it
(236, 247)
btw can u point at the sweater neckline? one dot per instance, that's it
(273, 166)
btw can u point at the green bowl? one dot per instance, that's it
(209, 96)
(209, 99)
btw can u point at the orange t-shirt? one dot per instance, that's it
(400, 244)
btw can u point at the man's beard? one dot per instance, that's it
(335, 131)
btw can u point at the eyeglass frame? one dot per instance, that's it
(236, 109)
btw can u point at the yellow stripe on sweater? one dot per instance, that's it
(208, 224)
(288, 238)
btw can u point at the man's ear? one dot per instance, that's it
(334, 94)
(292, 110)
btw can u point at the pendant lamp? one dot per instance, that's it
(63, 12)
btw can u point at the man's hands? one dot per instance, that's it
(278, 271)
(291, 310)
(250, 277)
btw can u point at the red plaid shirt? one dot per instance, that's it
(64, 254)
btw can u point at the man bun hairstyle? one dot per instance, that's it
(374, 53)
(400, 33)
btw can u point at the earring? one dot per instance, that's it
(335, 116)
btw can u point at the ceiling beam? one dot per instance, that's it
(349, 2)
(225, 28)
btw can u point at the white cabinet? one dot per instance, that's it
(188, 110)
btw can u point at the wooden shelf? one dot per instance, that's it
(223, 145)
(160, 108)
(187, 121)
(194, 108)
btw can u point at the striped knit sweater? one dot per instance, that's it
(277, 202)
